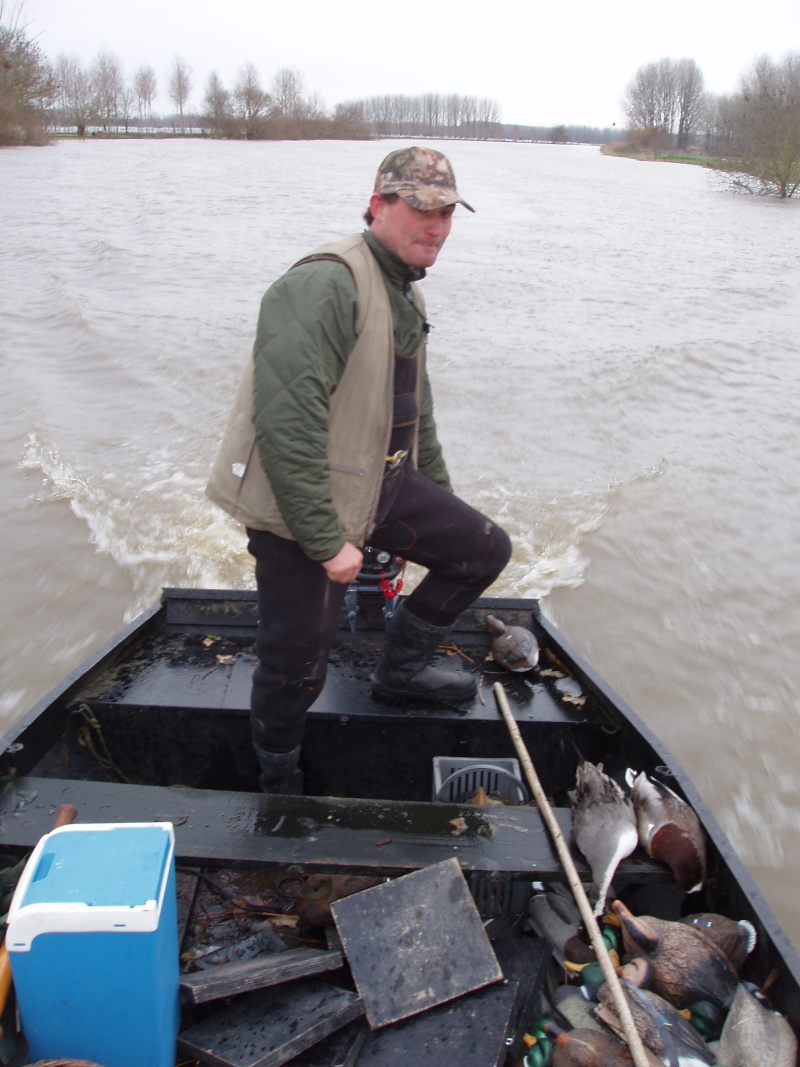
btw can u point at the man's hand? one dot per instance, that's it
(345, 565)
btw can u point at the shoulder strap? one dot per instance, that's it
(315, 257)
(360, 272)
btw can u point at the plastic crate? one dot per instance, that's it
(456, 779)
(499, 896)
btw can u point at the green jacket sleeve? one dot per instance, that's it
(306, 331)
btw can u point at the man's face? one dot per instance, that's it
(415, 237)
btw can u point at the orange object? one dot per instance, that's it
(5, 978)
(65, 815)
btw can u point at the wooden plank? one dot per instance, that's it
(258, 973)
(185, 887)
(216, 828)
(270, 1027)
(339, 1050)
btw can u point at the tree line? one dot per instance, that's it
(101, 97)
(753, 134)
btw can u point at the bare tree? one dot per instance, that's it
(490, 116)
(217, 107)
(428, 114)
(27, 85)
(692, 99)
(722, 121)
(144, 84)
(348, 121)
(180, 85)
(651, 97)
(250, 103)
(640, 99)
(108, 81)
(288, 107)
(766, 156)
(127, 103)
(77, 100)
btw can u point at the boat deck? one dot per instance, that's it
(172, 706)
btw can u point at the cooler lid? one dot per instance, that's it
(113, 866)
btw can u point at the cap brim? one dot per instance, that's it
(431, 198)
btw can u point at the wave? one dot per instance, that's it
(161, 531)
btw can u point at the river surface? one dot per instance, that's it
(615, 365)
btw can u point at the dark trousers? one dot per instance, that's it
(299, 608)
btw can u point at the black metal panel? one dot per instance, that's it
(398, 939)
(468, 1031)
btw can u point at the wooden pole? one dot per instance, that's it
(632, 1038)
(65, 815)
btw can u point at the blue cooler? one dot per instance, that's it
(93, 943)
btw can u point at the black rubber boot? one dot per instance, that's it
(279, 771)
(404, 672)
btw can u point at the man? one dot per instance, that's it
(331, 444)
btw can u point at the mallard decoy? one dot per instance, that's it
(669, 830)
(555, 916)
(736, 939)
(573, 1010)
(603, 827)
(662, 1028)
(512, 647)
(687, 964)
(587, 1048)
(321, 890)
(753, 1035)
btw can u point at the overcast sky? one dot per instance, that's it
(563, 63)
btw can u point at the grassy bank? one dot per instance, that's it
(656, 155)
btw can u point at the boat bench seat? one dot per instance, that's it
(214, 828)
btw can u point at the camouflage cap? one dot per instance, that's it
(422, 176)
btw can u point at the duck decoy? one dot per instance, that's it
(555, 916)
(662, 1028)
(669, 830)
(736, 939)
(587, 1048)
(512, 647)
(754, 1036)
(603, 827)
(573, 1010)
(687, 964)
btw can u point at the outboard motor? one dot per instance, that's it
(380, 575)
